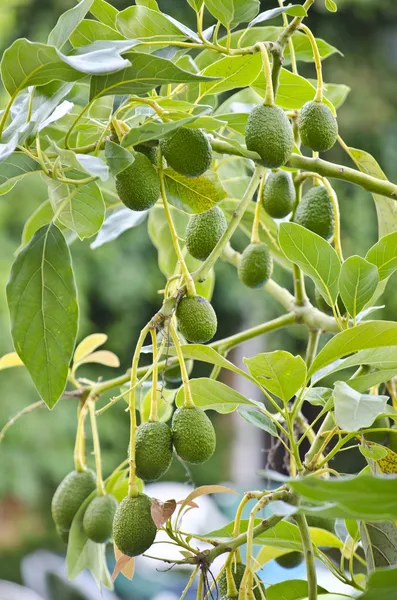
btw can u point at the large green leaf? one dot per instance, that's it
(381, 585)
(89, 31)
(258, 419)
(67, 23)
(296, 10)
(42, 299)
(357, 283)
(314, 256)
(279, 372)
(153, 130)
(145, 73)
(210, 355)
(294, 589)
(374, 334)
(233, 72)
(41, 216)
(143, 23)
(14, 168)
(115, 223)
(384, 255)
(379, 543)
(193, 194)
(232, 12)
(354, 410)
(104, 12)
(210, 394)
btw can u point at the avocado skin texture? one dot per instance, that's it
(381, 436)
(70, 495)
(290, 560)
(204, 231)
(255, 266)
(318, 127)
(187, 151)
(153, 448)
(98, 518)
(138, 186)
(133, 527)
(269, 133)
(150, 151)
(278, 195)
(197, 320)
(324, 307)
(193, 435)
(315, 212)
(238, 573)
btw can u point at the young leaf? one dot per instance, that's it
(142, 23)
(193, 194)
(205, 490)
(10, 360)
(125, 565)
(314, 256)
(89, 31)
(232, 72)
(384, 255)
(296, 10)
(331, 5)
(102, 357)
(258, 419)
(116, 223)
(210, 394)
(88, 345)
(279, 372)
(67, 23)
(196, 4)
(354, 410)
(42, 300)
(294, 589)
(357, 283)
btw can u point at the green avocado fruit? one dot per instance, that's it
(134, 530)
(98, 518)
(138, 186)
(379, 437)
(278, 196)
(187, 151)
(315, 212)
(150, 151)
(70, 495)
(238, 573)
(318, 127)
(193, 435)
(196, 318)
(62, 533)
(153, 450)
(290, 560)
(256, 265)
(204, 231)
(269, 133)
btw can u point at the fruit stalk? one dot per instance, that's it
(154, 414)
(255, 239)
(269, 97)
(97, 447)
(335, 206)
(79, 448)
(309, 556)
(188, 401)
(317, 61)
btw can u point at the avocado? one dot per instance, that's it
(290, 560)
(325, 307)
(63, 533)
(187, 151)
(269, 133)
(204, 231)
(193, 435)
(153, 450)
(150, 151)
(379, 437)
(70, 495)
(318, 127)
(255, 266)
(134, 530)
(238, 573)
(278, 196)
(138, 186)
(196, 318)
(98, 518)
(315, 212)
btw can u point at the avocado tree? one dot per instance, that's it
(132, 115)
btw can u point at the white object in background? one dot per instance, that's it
(12, 591)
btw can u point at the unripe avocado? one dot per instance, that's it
(269, 133)
(318, 127)
(63, 533)
(70, 495)
(290, 560)
(98, 518)
(255, 266)
(187, 151)
(197, 320)
(238, 573)
(150, 151)
(204, 232)
(379, 437)
(325, 307)
(278, 195)
(315, 212)
(133, 527)
(193, 435)
(153, 450)
(138, 186)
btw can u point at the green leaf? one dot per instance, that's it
(210, 355)
(334, 92)
(116, 223)
(142, 23)
(294, 589)
(42, 299)
(375, 334)
(79, 207)
(193, 194)
(209, 394)
(118, 158)
(279, 372)
(145, 73)
(331, 5)
(296, 10)
(380, 358)
(364, 382)
(160, 236)
(148, 3)
(354, 410)
(41, 216)
(105, 12)
(90, 31)
(232, 72)
(319, 396)
(232, 12)
(357, 283)
(196, 4)
(258, 419)
(380, 544)
(337, 498)
(67, 23)
(314, 256)
(384, 255)
(153, 130)
(381, 585)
